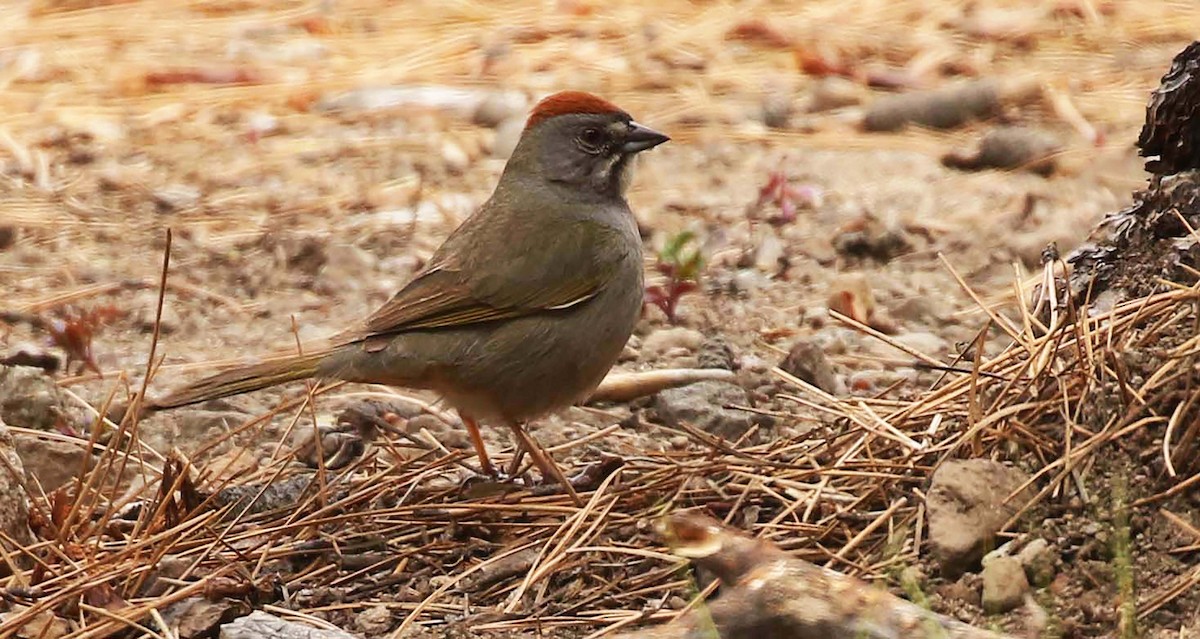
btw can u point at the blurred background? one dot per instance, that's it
(311, 155)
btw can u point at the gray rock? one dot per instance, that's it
(671, 342)
(1038, 559)
(703, 405)
(44, 624)
(52, 462)
(1004, 585)
(499, 107)
(199, 617)
(146, 312)
(966, 509)
(835, 93)
(189, 429)
(770, 254)
(374, 621)
(14, 501)
(8, 237)
(345, 268)
(806, 360)
(261, 625)
(176, 197)
(921, 308)
(197, 424)
(777, 109)
(30, 399)
(454, 157)
(922, 342)
(451, 435)
(1010, 147)
(715, 352)
(965, 589)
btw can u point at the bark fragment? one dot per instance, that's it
(768, 594)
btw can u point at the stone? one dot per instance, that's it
(30, 399)
(776, 110)
(869, 238)
(176, 197)
(8, 237)
(807, 361)
(1038, 559)
(374, 621)
(966, 508)
(262, 625)
(716, 352)
(928, 309)
(964, 590)
(1004, 585)
(14, 500)
(703, 405)
(196, 617)
(197, 425)
(450, 435)
(499, 107)
(671, 342)
(32, 354)
(920, 341)
(1010, 147)
(145, 313)
(44, 625)
(835, 93)
(454, 157)
(52, 462)
(346, 268)
(770, 255)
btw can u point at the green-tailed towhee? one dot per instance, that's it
(525, 307)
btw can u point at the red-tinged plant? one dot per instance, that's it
(787, 197)
(74, 330)
(681, 265)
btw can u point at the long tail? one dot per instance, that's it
(243, 380)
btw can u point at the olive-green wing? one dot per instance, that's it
(568, 269)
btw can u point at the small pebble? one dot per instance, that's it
(454, 157)
(499, 107)
(1004, 585)
(176, 197)
(508, 133)
(834, 93)
(777, 110)
(673, 341)
(8, 237)
(808, 362)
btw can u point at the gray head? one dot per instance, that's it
(582, 142)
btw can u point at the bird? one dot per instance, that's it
(523, 309)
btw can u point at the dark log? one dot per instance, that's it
(1128, 254)
(1171, 134)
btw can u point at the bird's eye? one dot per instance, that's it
(591, 138)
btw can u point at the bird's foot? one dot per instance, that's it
(589, 478)
(483, 484)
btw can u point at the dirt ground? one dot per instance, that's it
(309, 157)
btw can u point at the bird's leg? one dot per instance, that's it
(485, 462)
(544, 463)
